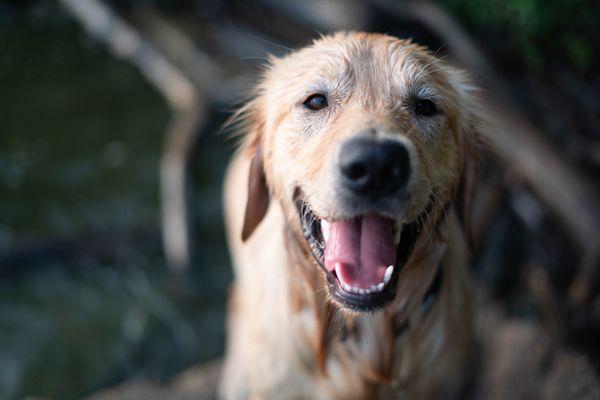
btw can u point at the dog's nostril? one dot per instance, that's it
(355, 170)
(393, 172)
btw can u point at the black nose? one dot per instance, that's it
(374, 168)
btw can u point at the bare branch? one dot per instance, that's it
(183, 99)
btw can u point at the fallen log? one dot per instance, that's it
(196, 383)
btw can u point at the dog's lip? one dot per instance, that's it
(311, 226)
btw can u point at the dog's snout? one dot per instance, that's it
(374, 168)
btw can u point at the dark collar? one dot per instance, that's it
(428, 300)
(433, 291)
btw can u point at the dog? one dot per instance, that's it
(346, 210)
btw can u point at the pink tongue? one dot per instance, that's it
(360, 250)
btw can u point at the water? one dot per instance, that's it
(85, 297)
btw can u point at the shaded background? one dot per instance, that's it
(87, 298)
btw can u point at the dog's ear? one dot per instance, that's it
(471, 117)
(466, 186)
(257, 202)
(472, 146)
(470, 120)
(248, 122)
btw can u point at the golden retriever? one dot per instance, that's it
(345, 211)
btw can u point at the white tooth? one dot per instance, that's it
(388, 274)
(397, 235)
(374, 289)
(397, 225)
(368, 291)
(346, 287)
(354, 290)
(325, 226)
(380, 287)
(361, 291)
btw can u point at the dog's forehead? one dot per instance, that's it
(355, 51)
(366, 46)
(347, 59)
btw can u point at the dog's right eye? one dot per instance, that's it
(425, 108)
(316, 102)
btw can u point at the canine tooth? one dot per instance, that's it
(397, 235)
(346, 287)
(380, 287)
(397, 225)
(325, 226)
(388, 274)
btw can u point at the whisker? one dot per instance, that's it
(437, 199)
(254, 58)
(270, 43)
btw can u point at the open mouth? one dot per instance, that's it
(362, 256)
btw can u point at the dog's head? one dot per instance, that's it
(359, 137)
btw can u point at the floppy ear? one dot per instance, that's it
(257, 202)
(465, 192)
(472, 144)
(471, 117)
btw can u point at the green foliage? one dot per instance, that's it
(540, 28)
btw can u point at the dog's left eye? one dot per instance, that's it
(316, 102)
(425, 108)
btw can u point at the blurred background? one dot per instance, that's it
(113, 264)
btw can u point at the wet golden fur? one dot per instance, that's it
(286, 338)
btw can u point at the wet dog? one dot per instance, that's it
(345, 211)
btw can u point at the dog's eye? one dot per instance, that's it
(316, 102)
(425, 108)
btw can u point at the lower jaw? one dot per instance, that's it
(362, 302)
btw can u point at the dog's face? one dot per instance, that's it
(359, 137)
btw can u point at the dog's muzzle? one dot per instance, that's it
(373, 169)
